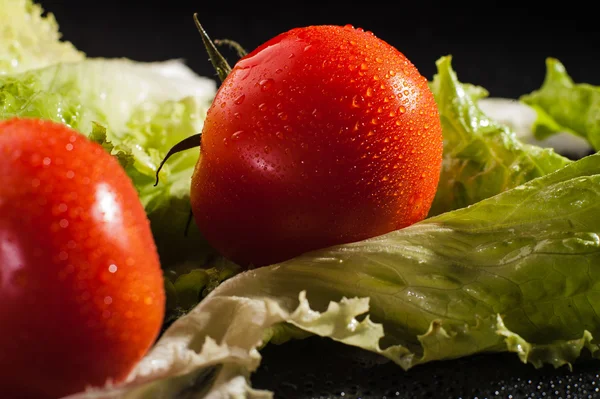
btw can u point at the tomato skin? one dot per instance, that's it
(81, 289)
(323, 135)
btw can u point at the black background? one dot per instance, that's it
(499, 45)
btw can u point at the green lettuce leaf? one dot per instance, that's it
(137, 111)
(564, 106)
(517, 272)
(29, 39)
(521, 118)
(482, 157)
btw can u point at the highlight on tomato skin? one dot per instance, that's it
(81, 287)
(323, 135)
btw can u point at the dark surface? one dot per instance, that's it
(499, 45)
(322, 368)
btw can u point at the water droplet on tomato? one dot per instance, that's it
(282, 115)
(369, 92)
(237, 134)
(266, 84)
(401, 109)
(262, 107)
(364, 66)
(355, 103)
(240, 99)
(267, 149)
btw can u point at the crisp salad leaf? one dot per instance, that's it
(516, 272)
(137, 111)
(521, 119)
(29, 39)
(564, 106)
(482, 157)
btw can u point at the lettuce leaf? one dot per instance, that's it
(516, 272)
(521, 118)
(564, 106)
(137, 111)
(29, 39)
(482, 157)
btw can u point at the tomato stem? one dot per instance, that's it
(187, 224)
(185, 144)
(233, 44)
(218, 61)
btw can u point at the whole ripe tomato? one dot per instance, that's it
(322, 135)
(81, 289)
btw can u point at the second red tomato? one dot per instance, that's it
(323, 135)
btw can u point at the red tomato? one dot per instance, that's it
(323, 135)
(81, 289)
